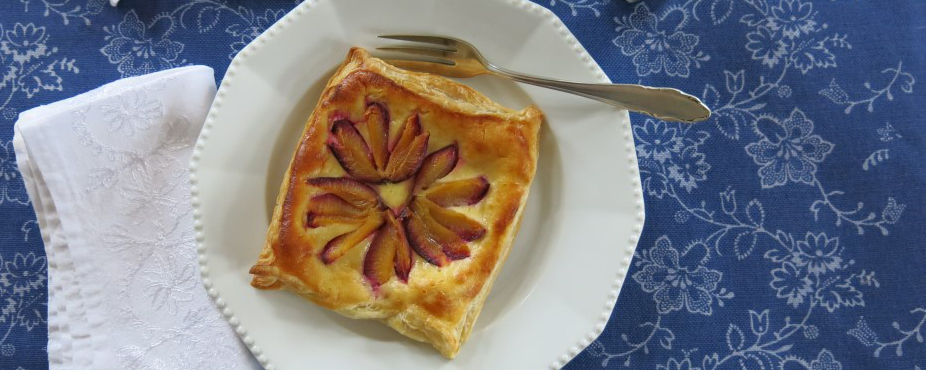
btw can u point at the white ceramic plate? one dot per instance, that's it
(582, 221)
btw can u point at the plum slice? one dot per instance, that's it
(341, 244)
(377, 122)
(354, 192)
(465, 227)
(328, 209)
(423, 242)
(352, 151)
(410, 129)
(435, 166)
(380, 258)
(459, 193)
(408, 152)
(389, 254)
(404, 260)
(452, 245)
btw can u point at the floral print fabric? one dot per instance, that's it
(783, 233)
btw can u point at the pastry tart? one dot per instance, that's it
(401, 201)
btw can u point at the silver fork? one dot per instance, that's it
(452, 57)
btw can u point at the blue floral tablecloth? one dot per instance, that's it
(788, 232)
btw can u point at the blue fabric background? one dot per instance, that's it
(785, 233)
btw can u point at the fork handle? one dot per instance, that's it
(660, 102)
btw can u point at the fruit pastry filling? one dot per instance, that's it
(394, 192)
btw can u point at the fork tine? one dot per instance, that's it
(434, 68)
(426, 39)
(424, 59)
(438, 53)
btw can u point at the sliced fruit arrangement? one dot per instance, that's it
(378, 162)
(371, 159)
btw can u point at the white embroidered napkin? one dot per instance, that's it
(107, 172)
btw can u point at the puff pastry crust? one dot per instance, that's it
(390, 257)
